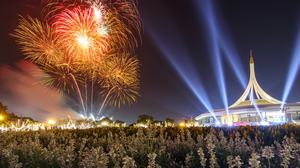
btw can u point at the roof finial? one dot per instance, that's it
(251, 58)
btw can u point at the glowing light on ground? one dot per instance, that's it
(66, 124)
(51, 122)
(264, 123)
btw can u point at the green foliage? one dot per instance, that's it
(192, 122)
(3, 108)
(169, 122)
(105, 122)
(157, 123)
(11, 120)
(5, 115)
(144, 119)
(63, 121)
(119, 123)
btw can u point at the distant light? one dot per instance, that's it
(264, 123)
(230, 124)
(182, 124)
(81, 115)
(1, 117)
(92, 116)
(51, 122)
(218, 123)
(104, 123)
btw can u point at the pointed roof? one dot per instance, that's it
(253, 87)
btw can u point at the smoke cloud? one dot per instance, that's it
(22, 94)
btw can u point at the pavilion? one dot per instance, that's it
(259, 107)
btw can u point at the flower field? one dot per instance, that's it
(247, 146)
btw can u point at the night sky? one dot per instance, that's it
(177, 54)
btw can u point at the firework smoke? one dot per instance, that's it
(22, 94)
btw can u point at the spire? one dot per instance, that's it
(254, 88)
(251, 58)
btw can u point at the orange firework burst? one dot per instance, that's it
(122, 94)
(120, 77)
(85, 41)
(61, 75)
(114, 17)
(77, 31)
(57, 77)
(118, 68)
(38, 40)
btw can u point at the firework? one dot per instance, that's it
(120, 80)
(114, 19)
(81, 41)
(38, 40)
(122, 94)
(77, 31)
(57, 77)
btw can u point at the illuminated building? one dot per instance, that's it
(257, 108)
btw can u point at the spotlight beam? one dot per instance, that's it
(223, 37)
(184, 67)
(212, 37)
(293, 70)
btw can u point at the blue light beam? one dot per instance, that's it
(257, 109)
(184, 67)
(293, 70)
(212, 37)
(211, 16)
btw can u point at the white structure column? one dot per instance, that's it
(256, 117)
(253, 87)
(247, 117)
(265, 116)
(285, 116)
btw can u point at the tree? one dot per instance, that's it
(144, 119)
(105, 122)
(119, 123)
(3, 109)
(192, 122)
(5, 115)
(64, 122)
(82, 123)
(158, 123)
(169, 122)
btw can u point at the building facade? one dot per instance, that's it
(254, 106)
